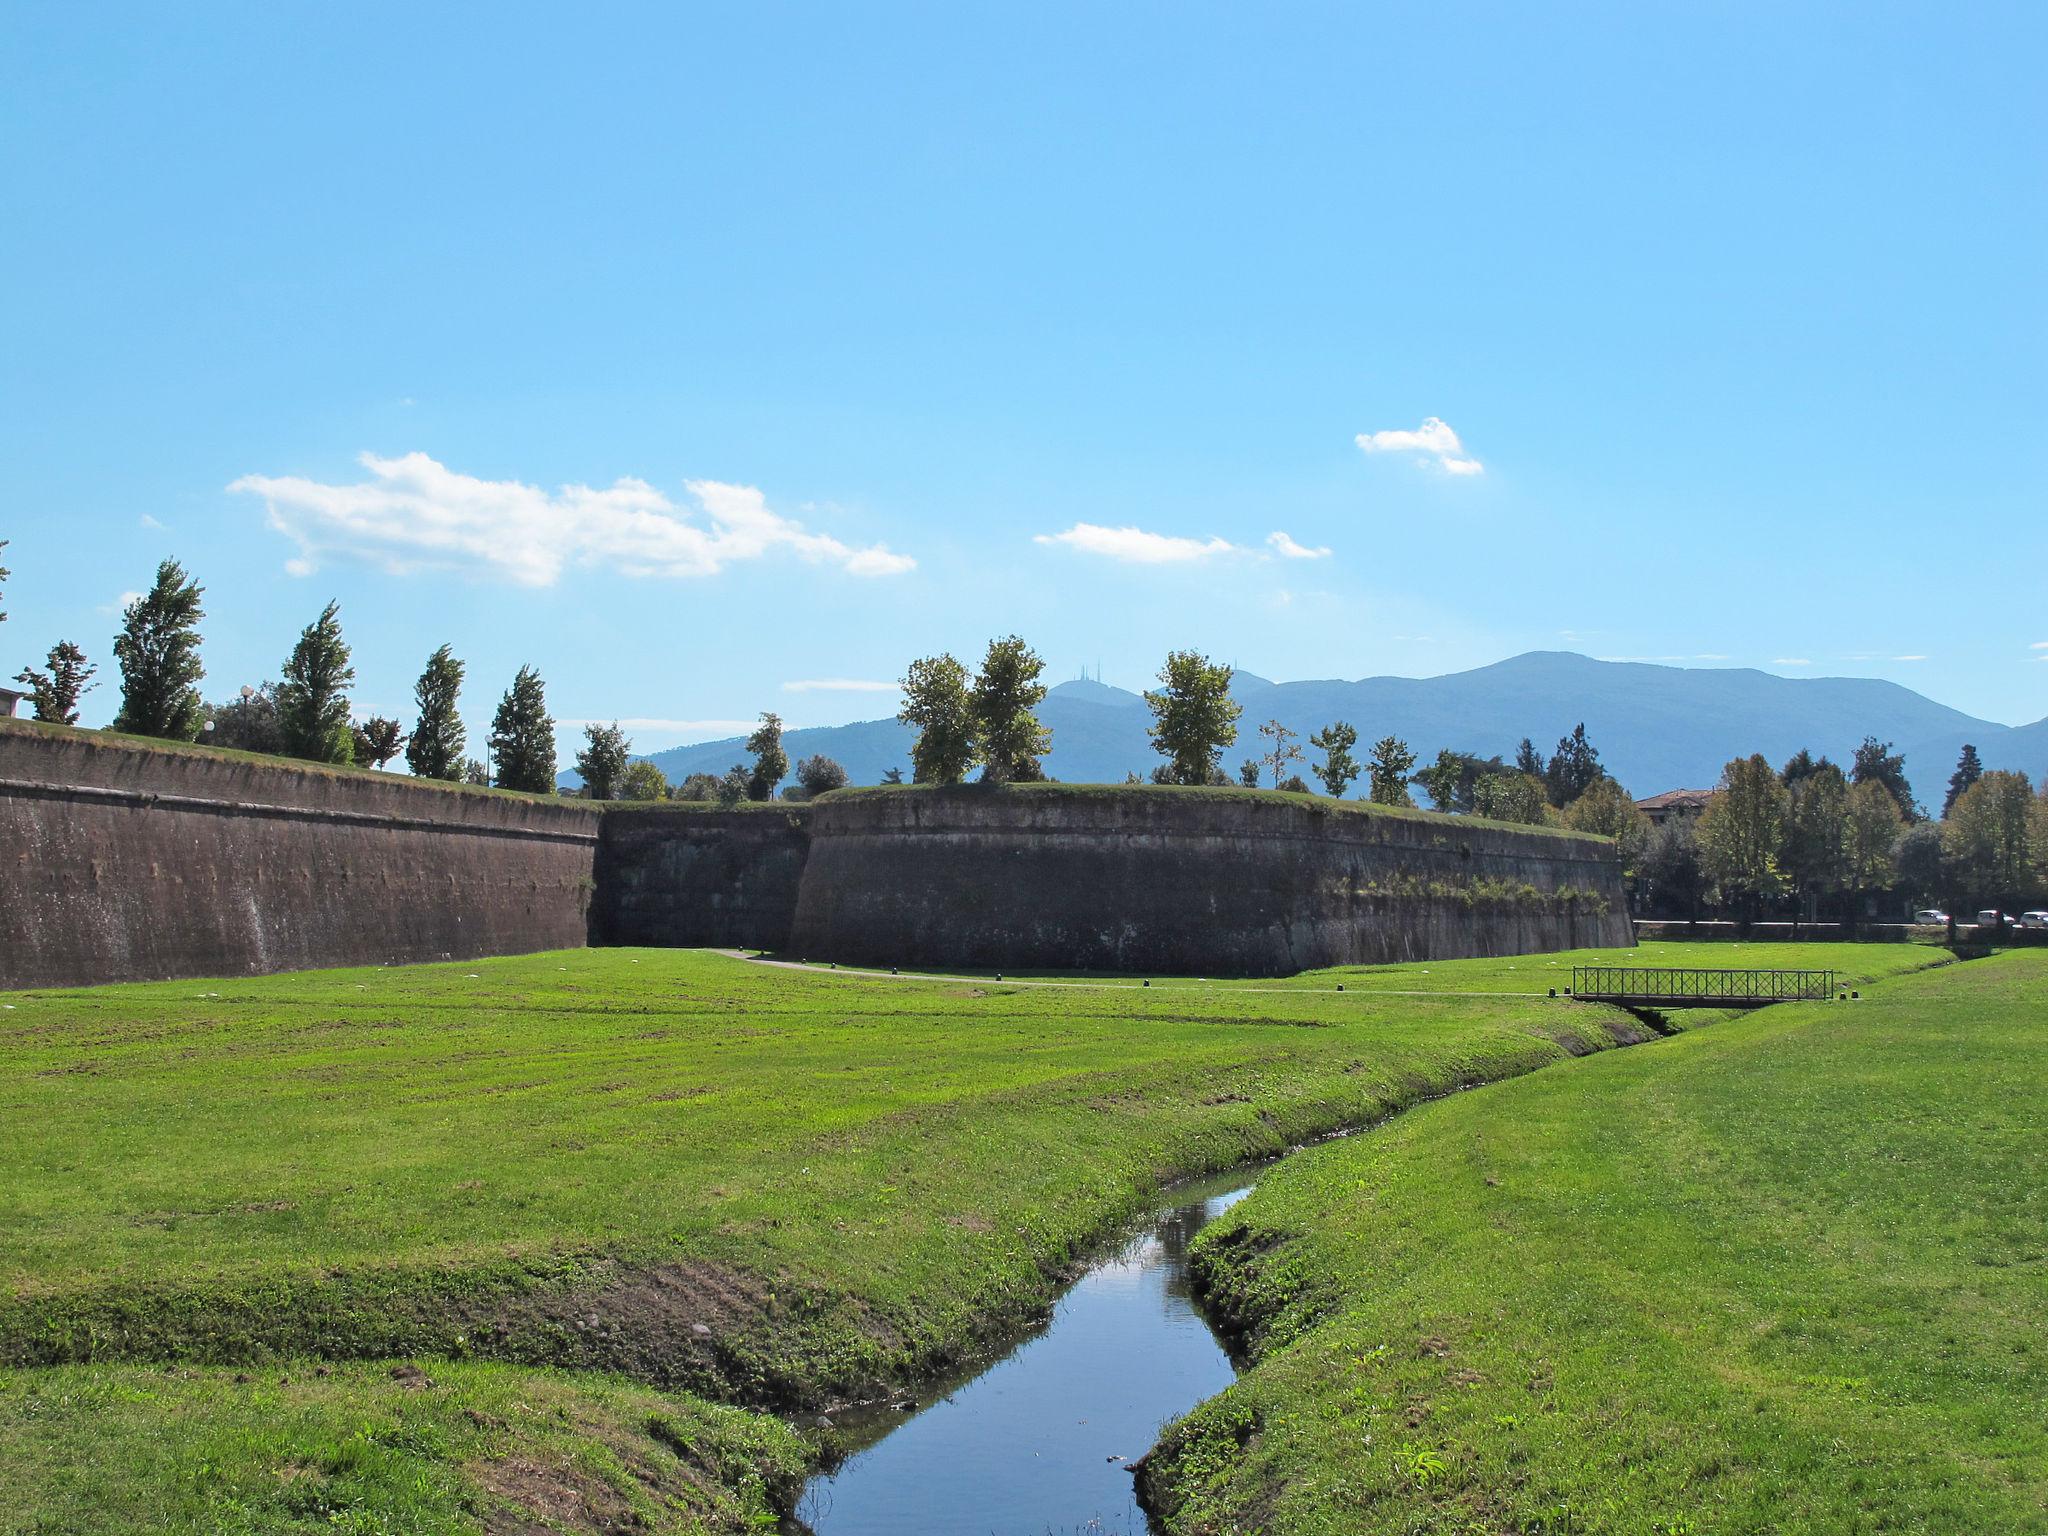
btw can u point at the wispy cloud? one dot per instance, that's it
(1909, 658)
(707, 730)
(1434, 439)
(149, 522)
(1287, 549)
(120, 603)
(1792, 661)
(840, 685)
(1136, 545)
(2039, 645)
(415, 514)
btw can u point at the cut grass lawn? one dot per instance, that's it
(1786, 1274)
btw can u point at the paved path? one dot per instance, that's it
(1197, 984)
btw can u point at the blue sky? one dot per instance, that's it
(699, 355)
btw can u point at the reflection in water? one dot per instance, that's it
(1038, 1443)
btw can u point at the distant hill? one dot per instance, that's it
(1657, 728)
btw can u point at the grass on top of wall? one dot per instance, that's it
(1784, 1274)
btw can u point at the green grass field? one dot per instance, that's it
(540, 1177)
(1788, 1274)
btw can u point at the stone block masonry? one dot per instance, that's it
(123, 861)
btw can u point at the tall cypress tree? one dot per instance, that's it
(312, 695)
(523, 737)
(1968, 771)
(439, 739)
(158, 649)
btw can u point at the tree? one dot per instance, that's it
(1741, 831)
(158, 651)
(642, 780)
(56, 692)
(1001, 704)
(819, 775)
(523, 736)
(733, 787)
(1988, 838)
(1528, 760)
(1248, 773)
(1193, 716)
(1799, 767)
(1441, 780)
(1338, 768)
(1671, 868)
(1968, 771)
(697, 786)
(1872, 837)
(602, 762)
(1392, 761)
(438, 739)
(247, 723)
(1877, 763)
(935, 702)
(1283, 751)
(378, 740)
(1815, 852)
(312, 694)
(892, 775)
(771, 763)
(1293, 784)
(474, 772)
(1606, 810)
(1572, 768)
(1923, 875)
(1512, 797)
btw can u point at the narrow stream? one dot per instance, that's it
(1038, 1443)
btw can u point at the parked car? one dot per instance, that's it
(2034, 919)
(1930, 915)
(1991, 917)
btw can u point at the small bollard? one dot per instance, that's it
(1340, 986)
(1148, 983)
(999, 975)
(1553, 991)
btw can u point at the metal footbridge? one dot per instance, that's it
(1649, 986)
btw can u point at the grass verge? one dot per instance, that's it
(1786, 1274)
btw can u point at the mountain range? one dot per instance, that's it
(1656, 727)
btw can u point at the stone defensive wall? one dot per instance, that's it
(1189, 881)
(123, 860)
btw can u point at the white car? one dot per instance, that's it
(1930, 915)
(1991, 917)
(2034, 919)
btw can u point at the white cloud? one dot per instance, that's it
(1909, 658)
(1792, 661)
(1711, 656)
(150, 522)
(1136, 545)
(2039, 645)
(840, 685)
(415, 514)
(703, 730)
(1434, 439)
(1288, 549)
(120, 604)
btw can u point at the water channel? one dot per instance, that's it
(1038, 1443)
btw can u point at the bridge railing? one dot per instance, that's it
(1698, 985)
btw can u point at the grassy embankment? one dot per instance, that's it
(1786, 1274)
(772, 1187)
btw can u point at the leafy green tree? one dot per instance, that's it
(820, 775)
(1513, 797)
(1193, 716)
(439, 738)
(158, 652)
(1293, 784)
(523, 736)
(1572, 768)
(1815, 852)
(1606, 810)
(697, 786)
(1873, 827)
(1338, 768)
(602, 762)
(642, 780)
(474, 772)
(1441, 780)
(312, 693)
(248, 722)
(935, 701)
(733, 787)
(1923, 873)
(1283, 750)
(1528, 760)
(378, 740)
(56, 692)
(1674, 878)
(892, 775)
(1989, 839)
(1248, 773)
(1002, 704)
(1968, 771)
(1799, 767)
(1392, 761)
(771, 763)
(1877, 763)
(1741, 831)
